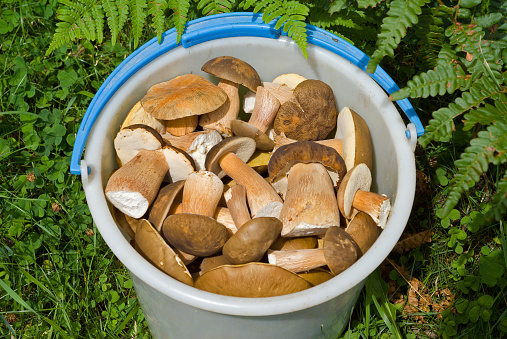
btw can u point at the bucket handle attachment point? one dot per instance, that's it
(411, 133)
(85, 171)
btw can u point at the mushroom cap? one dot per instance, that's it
(259, 161)
(242, 147)
(181, 165)
(363, 229)
(183, 96)
(310, 115)
(195, 234)
(137, 115)
(244, 129)
(131, 139)
(209, 263)
(340, 250)
(150, 244)
(121, 220)
(357, 144)
(298, 243)
(163, 202)
(317, 276)
(234, 70)
(252, 240)
(252, 280)
(357, 178)
(302, 151)
(290, 80)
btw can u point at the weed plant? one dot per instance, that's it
(447, 276)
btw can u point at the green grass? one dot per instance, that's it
(58, 278)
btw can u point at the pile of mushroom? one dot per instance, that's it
(255, 208)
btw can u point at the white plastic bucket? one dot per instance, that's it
(175, 310)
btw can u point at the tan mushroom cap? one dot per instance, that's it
(234, 70)
(150, 244)
(183, 96)
(209, 263)
(162, 204)
(363, 229)
(242, 147)
(298, 243)
(317, 276)
(121, 220)
(252, 240)
(340, 250)
(253, 280)
(310, 115)
(137, 115)
(195, 234)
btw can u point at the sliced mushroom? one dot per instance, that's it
(357, 143)
(130, 140)
(363, 230)
(290, 80)
(310, 114)
(253, 280)
(252, 240)
(137, 115)
(134, 186)
(229, 157)
(181, 165)
(150, 244)
(354, 195)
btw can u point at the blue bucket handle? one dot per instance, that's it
(217, 27)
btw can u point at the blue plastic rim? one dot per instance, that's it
(217, 27)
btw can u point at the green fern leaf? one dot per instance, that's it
(138, 18)
(499, 205)
(367, 3)
(488, 114)
(401, 15)
(179, 17)
(441, 80)
(430, 33)
(98, 16)
(490, 146)
(117, 14)
(441, 126)
(156, 8)
(210, 7)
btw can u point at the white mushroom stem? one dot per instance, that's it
(310, 205)
(220, 119)
(265, 109)
(222, 215)
(258, 191)
(201, 193)
(298, 260)
(181, 126)
(235, 198)
(375, 205)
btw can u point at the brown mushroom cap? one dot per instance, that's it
(121, 220)
(195, 234)
(253, 280)
(299, 243)
(209, 263)
(357, 178)
(183, 96)
(340, 250)
(245, 129)
(138, 115)
(252, 240)
(234, 70)
(317, 276)
(162, 204)
(363, 229)
(153, 247)
(242, 147)
(310, 115)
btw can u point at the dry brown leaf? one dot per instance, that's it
(412, 241)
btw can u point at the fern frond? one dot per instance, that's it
(78, 19)
(138, 18)
(488, 114)
(117, 14)
(368, 3)
(401, 15)
(98, 16)
(441, 80)
(430, 33)
(210, 7)
(156, 8)
(499, 206)
(179, 17)
(441, 126)
(490, 146)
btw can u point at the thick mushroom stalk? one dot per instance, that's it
(201, 193)
(310, 205)
(220, 119)
(354, 195)
(235, 198)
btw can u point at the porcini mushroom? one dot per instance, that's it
(162, 205)
(181, 165)
(363, 230)
(137, 115)
(130, 140)
(354, 195)
(310, 114)
(279, 91)
(252, 280)
(235, 198)
(134, 186)
(290, 80)
(229, 157)
(232, 72)
(339, 252)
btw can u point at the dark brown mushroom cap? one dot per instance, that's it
(357, 178)
(233, 69)
(298, 243)
(252, 240)
(310, 115)
(150, 244)
(363, 229)
(306, 152)
(317, 276)
(244, 129)
(340, 250)
(121, 220)
(183, 96)
(253, 280)
(163, 202)
(242, 147)
(195, 234)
